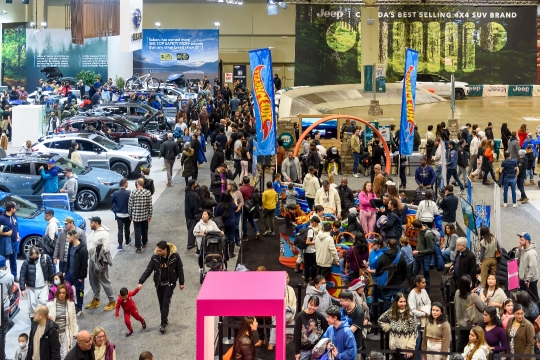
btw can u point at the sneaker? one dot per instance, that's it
(520, 199)
(356, 175)
(258, 235)
(505, 205)
(129, 333)
(245, 239)
(238, 244)
(119, 248)
(162, 328)
(94, 304)
(128, 242)
(515, 205)
(280, 218)
(143, 323)
(164, 168)
(138, 251)
(272, 233)
(267, 232)
(463, 192)
(111, 305)
(144, 245)
(78, 312)
(525, 200)
(197, 252)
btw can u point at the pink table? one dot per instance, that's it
(252, 293)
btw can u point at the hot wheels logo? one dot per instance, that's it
(409, 103)
(263, 102)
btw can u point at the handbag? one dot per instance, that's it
(497, 251)
(228, 354)
(219, 222)
(473, 315)
(361, 271)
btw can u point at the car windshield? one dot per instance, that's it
(111, 145)
(77, 168)
(25, 209)
(128, 123)
(148, 108)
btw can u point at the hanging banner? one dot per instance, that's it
(260, 61)
(483, 216)
(368, 78)
(239, 73)
(495, 90)
(475, 90)
(408, 101)
(513, 276)
(380, 78)
(520, 90)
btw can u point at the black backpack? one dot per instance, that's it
(300, 238)
(462, 159)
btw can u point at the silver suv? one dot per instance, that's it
(124, 159)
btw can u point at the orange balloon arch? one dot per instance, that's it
(388, 162)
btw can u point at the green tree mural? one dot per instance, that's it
(14, 57)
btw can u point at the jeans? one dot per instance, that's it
(123, 229)
(169, 166)
(164, 294)
(422, 261)
(79, 289)
(245, 219)
(72, 206)
(356, 162)
(387, 296)
(237, 215)
(237, 168)
(453, 173)
(141, 230)
(490, 171)
(446, 256)
(419, 342)
(530, 174)
(438, 172)
(277, 211)
(521, 188)
(191, 237)
(512, 183)
(13, 261)
(62, 266)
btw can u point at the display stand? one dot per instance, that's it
(27, 123)
(257, 293)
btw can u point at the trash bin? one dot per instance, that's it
(497, 147)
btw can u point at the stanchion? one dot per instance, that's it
(299, 302)
(219, 355)
(228, 340)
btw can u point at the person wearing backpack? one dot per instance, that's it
(462, 161)
(393, 227)
(424, 249)
(395, 266)
(309, 255)
(250, 208)
(326, 253)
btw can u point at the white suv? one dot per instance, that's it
(439, 85)
(124, 159)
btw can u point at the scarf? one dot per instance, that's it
(99, 351)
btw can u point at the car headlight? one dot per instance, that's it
(107, 183)
(136, 157)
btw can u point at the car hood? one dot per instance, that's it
(133, 150)
(61, 215)
(102, 175)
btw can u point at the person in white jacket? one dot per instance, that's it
(473, 149)
(328, 197)
(203, 227)
(311, 186)
(477, 348)
(62, 312)
(427, 209)
(326, 253)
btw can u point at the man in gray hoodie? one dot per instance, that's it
(70, 187)
(7, 281)
(528, 266)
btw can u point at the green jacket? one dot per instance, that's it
(425, 242)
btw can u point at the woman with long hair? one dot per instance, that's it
(103, 348)
(400, 324)
(226, 211)
(244, 345)
(427, 209)
(392, 190)
(506, 134)
(450, 241)
(479, 161)
(494, 332)
(318, 288)
(436, 333)
(205, 199)
(420, 305)
(520, 333)
(367, 212)
(59, 280)
(73, 153)
(492, 294)
(487, 162)
(529, 307)
(464, 299)
(357, 257)
(244, 159)
(377, 249)
(62, 312)
(507, 312)
(488, 248)
(238, 199)
(522, 134)
(309, 326)
(477, 348)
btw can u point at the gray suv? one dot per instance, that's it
(124, 159)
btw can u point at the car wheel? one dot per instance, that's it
(27, 244)
(153, 83)
(86, 200)
(460, 94)
(145, 145)
(120, 168)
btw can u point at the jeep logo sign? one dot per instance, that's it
(520, 90)
(287, 139)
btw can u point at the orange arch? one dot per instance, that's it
(388, 162)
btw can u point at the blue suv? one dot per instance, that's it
(19, 172)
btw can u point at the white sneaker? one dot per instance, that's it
(515, 206)
(356, 175)
(505, 205)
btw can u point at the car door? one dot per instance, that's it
(117, 130)
(425, 82)
(35, 166)
(442, 87)
(18, 178)
(91, 151)
(60, 147)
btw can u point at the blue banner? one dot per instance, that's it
(260, 61)
(408, 102)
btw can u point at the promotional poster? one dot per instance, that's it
(480, 45)
(25, 52)
(191, 52)
(408, 102)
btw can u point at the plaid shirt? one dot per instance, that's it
(140, 205)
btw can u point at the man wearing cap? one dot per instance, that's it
(528, 266)
(452, 164)
(70, 187)
(60, 254)
(98, 264)
(489, 131)
(169, 151)
(140, 212)
(7, 281)
(9, 220)
(332, 155)
(50, 177)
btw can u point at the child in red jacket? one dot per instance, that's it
(125, 300)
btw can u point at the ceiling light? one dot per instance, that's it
(157, 24)
(217, 24)
(43, 23)
(32, 24)
(282, 5)
(4, 12)
(240, 2)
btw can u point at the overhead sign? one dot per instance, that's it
(131, 18)
(228, 77)
(239, 73)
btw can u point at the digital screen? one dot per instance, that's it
(327, 130)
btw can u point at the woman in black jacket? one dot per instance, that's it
(244, 345)
(205, 199)
(313, 159)
(506, 134)
(226, 210)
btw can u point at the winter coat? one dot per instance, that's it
(28, 272)
(51, 180)
(346, 196)
(325, 301)
(449, 207)
(393, 227)
(353, 224)
(191, 205)
(502, 267)
(60, 247)
(49, 344)
(326, 253)
(311, 185)
(528, 263)
(388, 258)
(174, 267)
(80, 268)
(217, 159)
(7, 281)
(313, 159)
(427, 209)
(243, 349)
(169, 149)
(52, 291)
(513, 148)
(187, 162)
(216, 181)
(71, 186)
(482, 353)
(120, 201)
(524, 339)
(140, 205)
(228, 217)
(71, 319)
(343, 339)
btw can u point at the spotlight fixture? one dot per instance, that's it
(3, 12)
(283, 5)
(32, 24)
(217, 24)
(157, 24)
(240, 2)
(272, 8)
(44, 24)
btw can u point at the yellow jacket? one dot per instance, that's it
(269, 199)
(355, 144)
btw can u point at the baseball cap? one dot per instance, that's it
(378, 241)
(68, 219)
(357, 284)
(334, 150)
(525, 235)
(68, 169)
(51, 161)
(96, 219)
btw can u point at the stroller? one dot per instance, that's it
(213, 253)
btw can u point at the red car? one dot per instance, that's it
(117, 128)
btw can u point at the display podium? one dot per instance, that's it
(27, 123)
(252, 293)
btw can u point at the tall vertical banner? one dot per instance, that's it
(260, 61)
(408, 102)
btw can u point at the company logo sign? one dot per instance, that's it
(263, 102)
(287, 140)
(136, 20)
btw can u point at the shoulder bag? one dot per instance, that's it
(473, 315)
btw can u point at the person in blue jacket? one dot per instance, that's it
(343, 344)
(425, 175)
(50, 177)
(451, 165)
(377, 249)
(10, 227)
